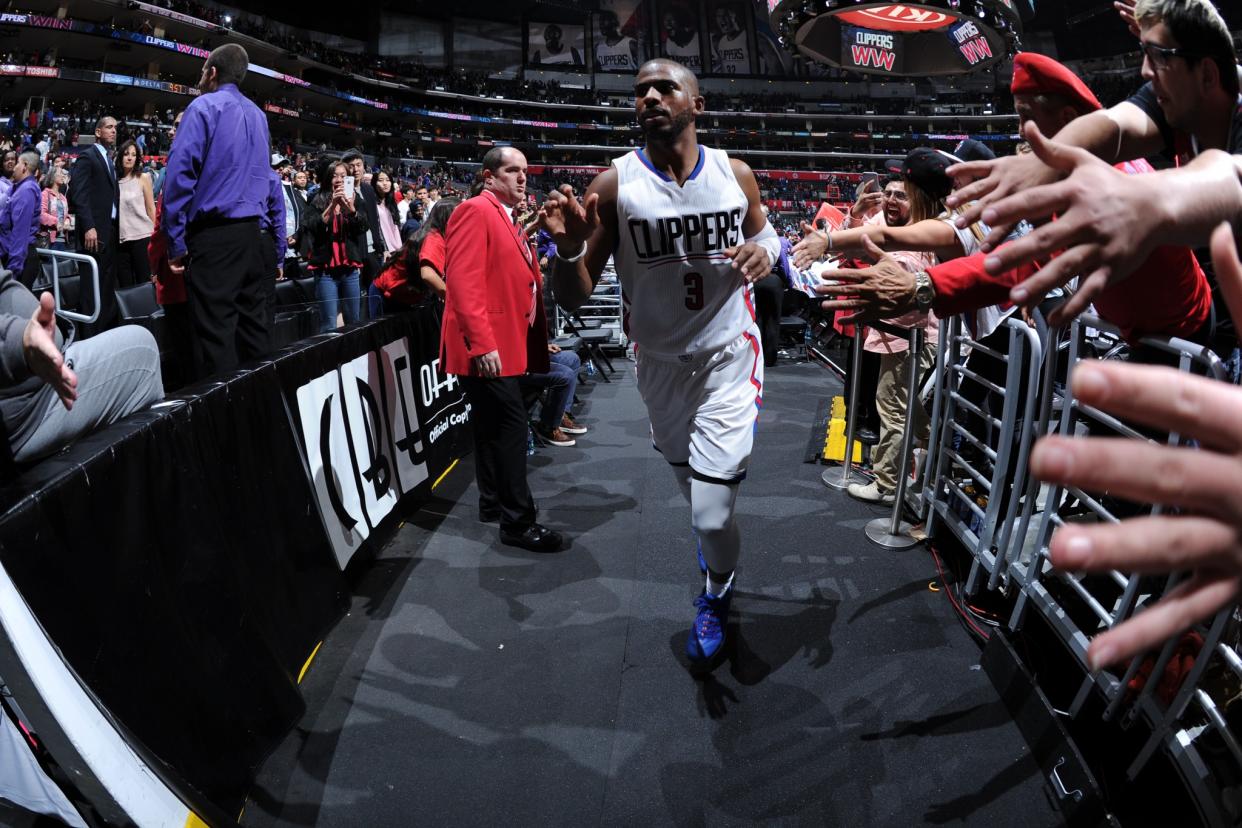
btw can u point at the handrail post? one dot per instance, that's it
(893, 532)
(844, 477)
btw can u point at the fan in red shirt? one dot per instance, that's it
(415, 273)
(1168, 294)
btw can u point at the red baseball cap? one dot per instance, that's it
(1035, 74)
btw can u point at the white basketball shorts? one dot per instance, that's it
(703, 407)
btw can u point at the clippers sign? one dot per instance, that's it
(364, 443)
(897, 18)
(867, 49)
(970, 42)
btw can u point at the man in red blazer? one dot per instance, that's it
(494, 332)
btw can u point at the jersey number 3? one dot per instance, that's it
(694, 291)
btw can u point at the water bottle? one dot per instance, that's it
(807, 339)
(530, 441)
(590, 367)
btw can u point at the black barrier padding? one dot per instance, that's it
(179, 562)
(145, 602)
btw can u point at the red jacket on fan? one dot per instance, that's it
(493, 284)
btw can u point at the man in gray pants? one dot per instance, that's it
(49, 399)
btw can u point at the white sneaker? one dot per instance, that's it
(870, 493)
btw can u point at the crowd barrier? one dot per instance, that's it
(1007, 522)
(166, 581)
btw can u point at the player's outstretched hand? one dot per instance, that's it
(567, 220)
(884, 290)
(1206, 482)
(1105, 223)
(43, 357)
(995, 180)
(811, 249)
(751, 259)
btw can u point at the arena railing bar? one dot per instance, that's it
(1106, 600)
(892, 532)
(56, 257)
(840, 479)
(987, 541)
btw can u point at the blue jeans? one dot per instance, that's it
(561, 382)
(333, 288)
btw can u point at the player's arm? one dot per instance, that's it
(585, 233)
(761, 247)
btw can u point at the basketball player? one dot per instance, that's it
(614, 52)
(681, 41)
(731, 55)
(554, 50)
(686, 229)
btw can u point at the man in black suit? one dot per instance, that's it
(370, 205)
(93, 198)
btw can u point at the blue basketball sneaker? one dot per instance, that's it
(707, 636)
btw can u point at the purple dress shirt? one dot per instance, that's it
(218, 167)
(18, 224)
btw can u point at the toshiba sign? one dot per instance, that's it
(897, 18)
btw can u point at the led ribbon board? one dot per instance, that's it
(934, 37)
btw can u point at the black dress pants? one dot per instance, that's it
(227, 288)
(769, 292)
(132, 265)
(105, 258)
(498, 418)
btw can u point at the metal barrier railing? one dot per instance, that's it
(1078, 606)
(845, 476)
(1009, 536)
(56, 257)
(983, 530)
(893, 532)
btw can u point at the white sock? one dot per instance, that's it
(716, 588)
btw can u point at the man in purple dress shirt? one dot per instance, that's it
(19, 220)
(216, 188)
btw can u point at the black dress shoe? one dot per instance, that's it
(536, 538)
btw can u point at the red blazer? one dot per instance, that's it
(489, 281)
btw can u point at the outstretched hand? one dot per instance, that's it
(882, 291)
(1105, 222)
(569, 221)
(812, 248)
(43, 357)
(1207, 540)
(999, 178)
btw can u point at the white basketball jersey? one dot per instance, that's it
(682, 295)
(618, 58)
(688, 56)
(731, 53)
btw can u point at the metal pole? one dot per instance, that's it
(845, 476)
(893, 532)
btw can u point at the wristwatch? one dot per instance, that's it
(924, 291)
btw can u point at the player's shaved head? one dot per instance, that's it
(663, 66)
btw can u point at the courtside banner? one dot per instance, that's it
(379, 422)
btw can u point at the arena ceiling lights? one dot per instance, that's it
(933, 37)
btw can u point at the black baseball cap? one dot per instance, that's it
(926, 168)
(972, 150)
